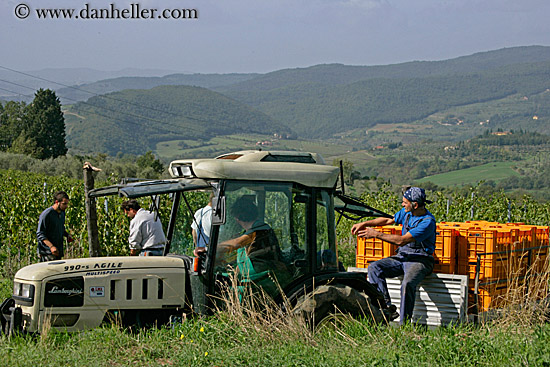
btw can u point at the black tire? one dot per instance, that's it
(327, 300)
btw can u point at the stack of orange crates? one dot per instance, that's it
(541, 255)
(372, 249)
(479, 240)
(445, 250)
(458, 245)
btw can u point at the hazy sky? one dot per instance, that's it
(263, 36)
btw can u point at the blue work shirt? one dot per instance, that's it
(422, 228)
(51, 226)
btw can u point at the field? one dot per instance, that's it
(471, 176)
(252, 335)
(222, 144)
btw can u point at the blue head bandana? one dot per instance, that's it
(416, 194)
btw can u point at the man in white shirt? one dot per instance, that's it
(146, 235)
(201, 226)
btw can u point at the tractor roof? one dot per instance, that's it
(308, 169)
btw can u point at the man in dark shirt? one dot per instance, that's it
(51, 229)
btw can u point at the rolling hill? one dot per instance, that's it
(134, 121)
(322, 102)
(338, 74)
(85, 91)
(325, 74)
(315, 110)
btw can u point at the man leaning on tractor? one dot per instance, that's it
(414, 259)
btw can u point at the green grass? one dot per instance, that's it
(471, 176)
(6, 288)
(217, 342)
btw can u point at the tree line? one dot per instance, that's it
(36, 129)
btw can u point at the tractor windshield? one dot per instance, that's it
(266, 231)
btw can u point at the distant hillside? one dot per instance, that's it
(83, 92)
(133, 121)
(317, 102)
(338, 74)
(318, 110)
(329, 74)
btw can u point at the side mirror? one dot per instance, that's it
(218, 210)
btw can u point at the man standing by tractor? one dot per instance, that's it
(51, 229)
(201, 226)
(146, 235)
(414, 259)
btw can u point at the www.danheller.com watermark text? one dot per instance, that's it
(89, 12)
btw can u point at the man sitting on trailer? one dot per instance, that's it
(414, 259)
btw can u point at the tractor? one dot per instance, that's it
(295, 197)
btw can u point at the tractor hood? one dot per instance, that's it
(96, 266)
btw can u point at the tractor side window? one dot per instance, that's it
(296, 249)
(326, 249)
(182, 240)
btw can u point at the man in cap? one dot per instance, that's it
(414, 259)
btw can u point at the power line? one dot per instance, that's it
(98, 95)
(19, 94)
(164, 123)
(25, 95)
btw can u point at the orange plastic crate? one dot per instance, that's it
(526, 236)
(478, 241)
(541, 235)
(372, 249)
(445, 250)
(496, 268)
(445, 265)
(445, 243)
(491, 296)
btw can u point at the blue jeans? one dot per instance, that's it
(152, 252)
(413, 272)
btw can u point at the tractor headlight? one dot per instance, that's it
(27, 290)
(24, 293)
(182, 171)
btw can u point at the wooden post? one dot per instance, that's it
(91, 210)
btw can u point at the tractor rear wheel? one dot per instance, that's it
(328, 300)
